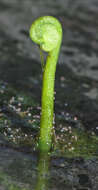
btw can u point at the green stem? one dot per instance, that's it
(48, 102)
(43, 172)
(47, 32)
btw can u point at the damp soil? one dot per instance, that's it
(74, 153)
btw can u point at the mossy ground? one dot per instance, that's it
(19, 124)
(76, 143)
(19, 119)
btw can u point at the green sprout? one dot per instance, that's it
(46, 31)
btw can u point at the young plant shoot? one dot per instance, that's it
(46, 31)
